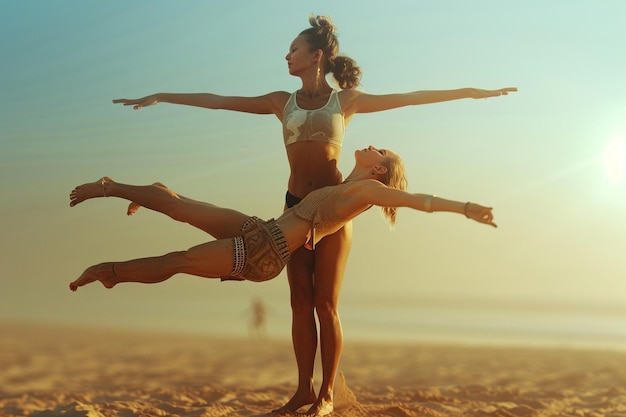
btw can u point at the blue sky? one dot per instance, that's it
(550, 158)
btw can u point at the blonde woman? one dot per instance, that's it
(258, 250)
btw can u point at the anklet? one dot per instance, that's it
(103, 191)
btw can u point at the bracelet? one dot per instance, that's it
(428, 203)
(465, 210)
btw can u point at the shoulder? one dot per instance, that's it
(279, 96)
(364, 187)
(349, 94)
(277, 101)
(351, 101)
(372, 191)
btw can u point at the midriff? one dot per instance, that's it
(299, 229)
(313, 165)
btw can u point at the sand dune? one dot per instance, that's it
(52, 371)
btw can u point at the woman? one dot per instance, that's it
(259, 250)
(314, 120)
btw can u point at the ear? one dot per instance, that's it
(380, 169)
(317, 55)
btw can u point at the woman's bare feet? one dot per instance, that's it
(320, 408)
(297, 401)
(90, 190)
(105, 273)
(132, 208)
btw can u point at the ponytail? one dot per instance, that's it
(321, 35)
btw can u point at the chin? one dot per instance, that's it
(293, 71)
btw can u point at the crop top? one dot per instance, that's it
(325, 124)
(317, 207)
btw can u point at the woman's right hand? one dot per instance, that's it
(480, 93)
(139, 102)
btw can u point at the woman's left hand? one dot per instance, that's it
(480, 213)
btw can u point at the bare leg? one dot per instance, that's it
(318, 292)
(208, 260)
(218, 222)
(133, 207)
(303, 327)
(330, 264)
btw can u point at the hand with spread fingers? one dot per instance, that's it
(138, 103)
(480, 93)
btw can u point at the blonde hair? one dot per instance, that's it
(395, 177)
(321, 35)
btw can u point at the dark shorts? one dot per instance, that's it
(291, 200)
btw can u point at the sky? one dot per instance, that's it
(550, 159)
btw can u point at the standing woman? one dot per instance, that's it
(314, 120)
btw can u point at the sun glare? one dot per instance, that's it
(614, 160)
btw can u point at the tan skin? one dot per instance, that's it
(362, 189)
(315, 279)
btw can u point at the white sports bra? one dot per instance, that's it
(325, 124)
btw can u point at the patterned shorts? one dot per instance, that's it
(260, 253)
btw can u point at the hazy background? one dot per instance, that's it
(550, 159)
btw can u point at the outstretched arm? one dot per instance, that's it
(271, 103)
(376, 193)
(432, 203)
(359, 102)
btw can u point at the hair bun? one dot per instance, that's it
(322, 22)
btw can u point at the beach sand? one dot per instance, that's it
(55, 371)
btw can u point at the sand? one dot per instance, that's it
(54, 371)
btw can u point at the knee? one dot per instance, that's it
(302, 291)
(301, 301)
(178, 260)
(301, 295)
(327, 310)
(175, 206)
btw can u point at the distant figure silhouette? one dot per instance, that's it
(258, 319)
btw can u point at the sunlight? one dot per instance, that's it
(614, 160)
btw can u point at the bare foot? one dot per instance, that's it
(89, 190)
(132, 208)
(296, 402)
(101, 272)
(320, 408)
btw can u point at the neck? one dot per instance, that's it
(315, 85)
(359, 174)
